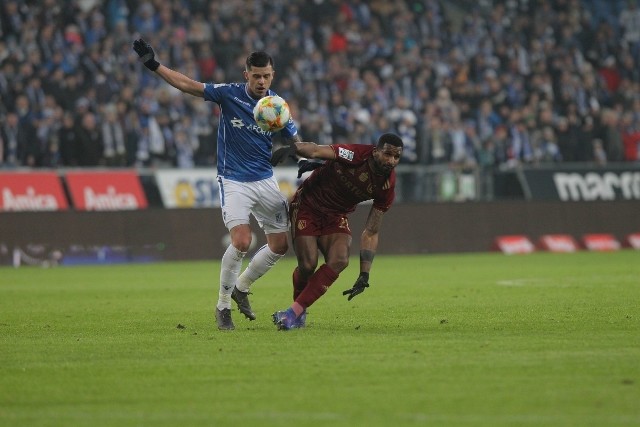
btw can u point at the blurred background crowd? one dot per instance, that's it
(481, 83)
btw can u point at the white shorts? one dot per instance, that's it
(263, 199)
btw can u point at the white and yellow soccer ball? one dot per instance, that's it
(271, 113)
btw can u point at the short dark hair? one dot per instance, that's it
(258, 59)
(391, 139)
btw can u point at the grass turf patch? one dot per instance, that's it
(476, 339)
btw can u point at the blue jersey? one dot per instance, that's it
(244, 150)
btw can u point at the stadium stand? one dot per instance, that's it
(482, 84)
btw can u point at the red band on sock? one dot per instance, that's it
(318, 284)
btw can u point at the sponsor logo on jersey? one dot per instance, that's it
(258, 129)
(238, 123)
(344, 223)
(345, 154)
(351, 186)
(240, 101)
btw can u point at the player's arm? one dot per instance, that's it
(174, 78)
(311, 150)
(180, 81)
(306, 150)
(369, 239)
(368, 247)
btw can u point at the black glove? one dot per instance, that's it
(282, 153)
(146, 54)
(361, 284)
(305, 165)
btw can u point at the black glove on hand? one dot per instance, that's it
(361, 284)
(280, 154)
(305, 165)
(146, 54)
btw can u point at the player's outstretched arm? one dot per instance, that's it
(174, 78)
(368, 247)
(308, 150)
(311, 150)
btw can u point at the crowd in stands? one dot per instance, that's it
(484, 83)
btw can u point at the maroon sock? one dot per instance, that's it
(298, 283)
(318, 284)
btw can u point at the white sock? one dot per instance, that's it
(261, 262)
(229, 270)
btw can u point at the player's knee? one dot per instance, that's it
(278, 243)
(279, 248)
(306, 268)
(241, 237)
(241, 243)
(338, 264)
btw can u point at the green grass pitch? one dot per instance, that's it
(443, 340)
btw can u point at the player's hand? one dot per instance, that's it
(361, 284)
(305, 165)
(282, 153)
(146, 54)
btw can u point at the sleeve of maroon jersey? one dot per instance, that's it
(351, 153)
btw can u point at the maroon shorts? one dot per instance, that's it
(306, 221)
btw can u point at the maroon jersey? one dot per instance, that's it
(340, 184)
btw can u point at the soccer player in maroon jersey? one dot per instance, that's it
(351, 174)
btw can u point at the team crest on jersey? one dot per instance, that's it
(363, 177)
(345, 154)
(302, 224)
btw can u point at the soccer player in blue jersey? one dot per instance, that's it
(245, 175)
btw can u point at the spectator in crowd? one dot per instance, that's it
(12, 141)
(113, 137)
(611, 135)
(437, 145)
(28, 151)
(630, 137)
(90, 147)
(568, 135)
(462, 144)
(68, 141)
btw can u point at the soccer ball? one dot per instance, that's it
(271, 113)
